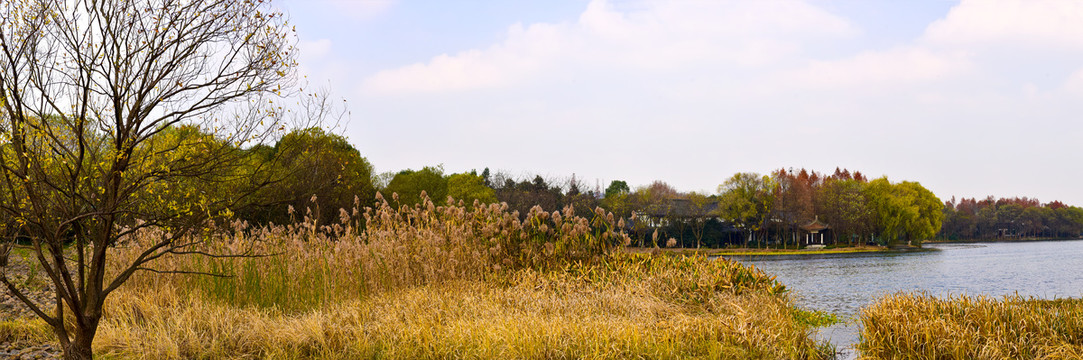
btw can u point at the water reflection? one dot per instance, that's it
(843, 283)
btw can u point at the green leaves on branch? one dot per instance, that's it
(905, 210)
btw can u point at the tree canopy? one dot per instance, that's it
(905, 210)
(469, 187)
(409, 184)
(310, 163)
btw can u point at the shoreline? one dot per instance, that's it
(773, 252)
(982, 241)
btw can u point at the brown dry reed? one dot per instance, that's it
(447, 282)
(919, 326)
(378, 250)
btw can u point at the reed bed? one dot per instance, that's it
(302, 266)
(449, 282)
(919, 326)
(463, 319)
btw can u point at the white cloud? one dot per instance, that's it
(877, 69)
(1016, 42)
(652, 36)
(997, 22)
(499, 65)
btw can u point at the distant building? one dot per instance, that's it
(677, 210)
(814, 231)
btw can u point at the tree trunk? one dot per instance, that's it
(80, 348)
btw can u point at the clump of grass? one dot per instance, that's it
(815, 318)
(919, 326)
(25, 331)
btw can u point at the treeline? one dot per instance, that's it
(322, 174)
(747, 210)
(750, 209)
(1009, 218)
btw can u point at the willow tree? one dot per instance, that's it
(904, 210)
(120, 115)
(747, 200)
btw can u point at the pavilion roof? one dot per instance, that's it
(815, 225)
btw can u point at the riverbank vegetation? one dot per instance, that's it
(1009, 219)
(762, 251)
(919, 326)
(810, 251)
(453, 281)
(748, 209)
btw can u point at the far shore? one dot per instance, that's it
(763, 251)
(1000, 240)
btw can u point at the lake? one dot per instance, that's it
(843, 283)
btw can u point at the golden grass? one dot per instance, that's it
(917, 326)
(25, 331)
(447, 282)
(535, 316)
(375, 251)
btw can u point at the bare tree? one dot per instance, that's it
(116, 115)
(700, 209)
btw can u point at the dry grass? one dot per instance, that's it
(376, 251)
(911, 326)
(541, 319)
(447, 282)
(25, 332)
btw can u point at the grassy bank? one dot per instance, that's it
(534, 316)
(912, 326)
(447, 282)
(757, 252)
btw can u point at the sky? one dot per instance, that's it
(969, 98)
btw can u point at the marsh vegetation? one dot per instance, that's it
(454, 281)
(920, 326)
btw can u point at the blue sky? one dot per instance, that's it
(970, 98)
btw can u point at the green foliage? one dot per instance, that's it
(468, 188)
(747, 199)
(815, 318)
(617, 187)
(904, 210)
(409, 184)
(311, 163)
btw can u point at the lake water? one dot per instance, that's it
(844, 283)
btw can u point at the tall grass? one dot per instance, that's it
(378, 250)
(463, 320)
(447, 282)
(919, 326)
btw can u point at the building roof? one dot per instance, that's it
(815, 225)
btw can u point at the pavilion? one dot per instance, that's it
(814, 231)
